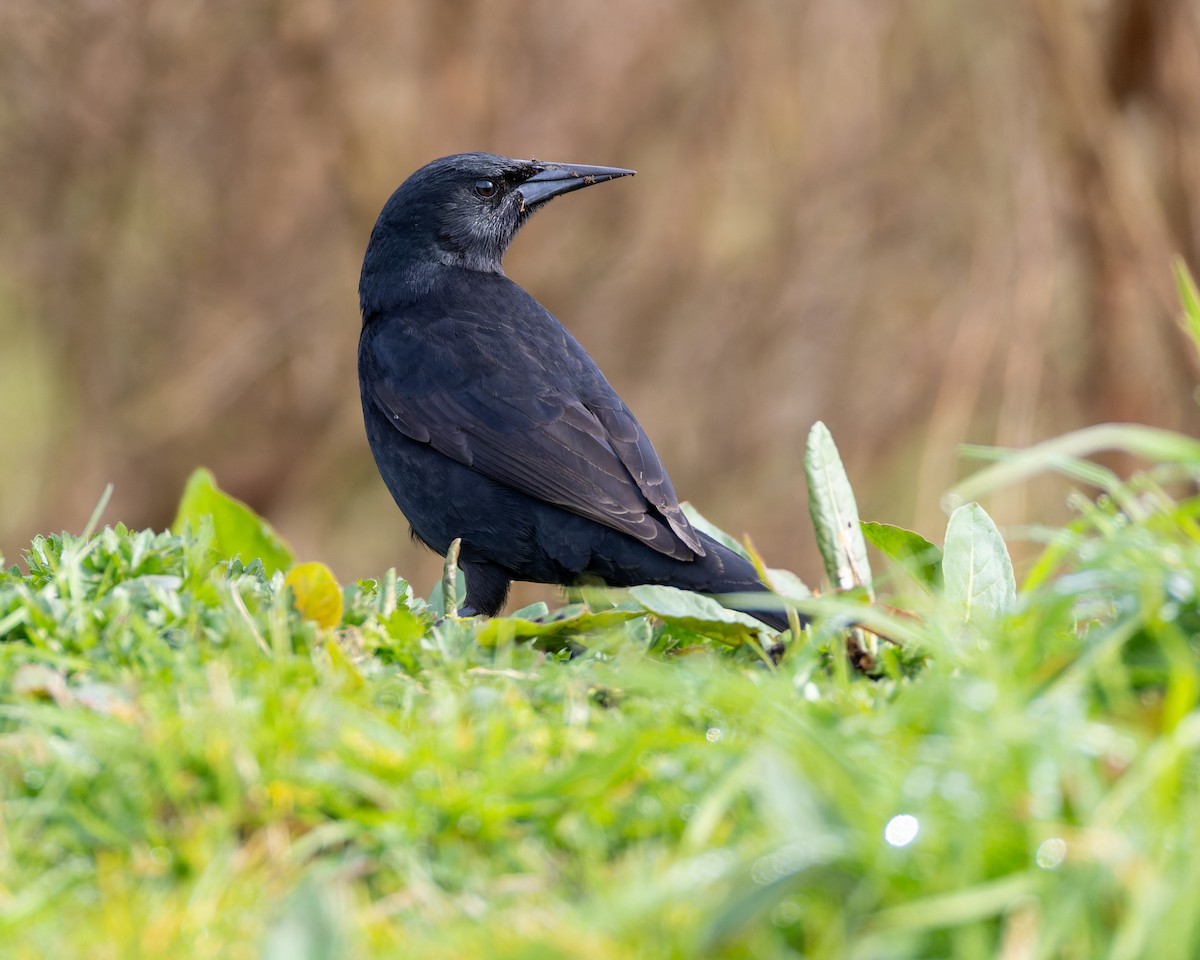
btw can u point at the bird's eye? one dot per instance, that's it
(485, 188)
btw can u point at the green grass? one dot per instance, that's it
(203, 758)
(190, 767)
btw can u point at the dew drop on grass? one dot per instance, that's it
(1051, 853)
(901, 830)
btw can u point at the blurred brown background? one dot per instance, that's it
(922, 222)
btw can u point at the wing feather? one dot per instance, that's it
(547, 423)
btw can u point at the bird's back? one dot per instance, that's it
(477, 368)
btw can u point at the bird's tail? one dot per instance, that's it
(722, 571)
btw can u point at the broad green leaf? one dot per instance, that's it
(317, 594)
(834, 512)
(696, 612)
(535, 611)
(976, 567)
(238, 530)
(403, 626)
(917, 556)
(574, 619)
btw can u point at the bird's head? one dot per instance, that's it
(464, 210)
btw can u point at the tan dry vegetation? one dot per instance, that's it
(923, 223)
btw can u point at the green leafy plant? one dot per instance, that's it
(205, 750)
(237, 530)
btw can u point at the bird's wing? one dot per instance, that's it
(537, 416)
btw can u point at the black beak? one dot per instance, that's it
(556, 178)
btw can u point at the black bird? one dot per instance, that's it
(490, 423)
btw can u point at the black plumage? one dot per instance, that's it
(490, 423)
